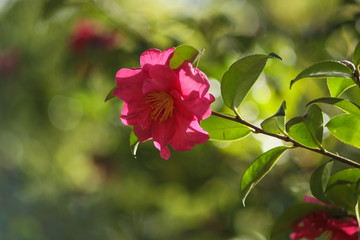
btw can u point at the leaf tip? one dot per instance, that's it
(274, 55)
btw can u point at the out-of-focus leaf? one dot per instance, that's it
(357, 55)
(292, 215)
(110, 95)
(185, 53)
(51, 6)
(276, 123)
(357, 202)
(258, 169)
(338, 86)
(240, 77)
(319, 180)
(134, 143)
(343, 104)
(346, 128)
(307, 130)
(325, 69)
(222, 129)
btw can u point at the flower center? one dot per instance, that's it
(162, 104)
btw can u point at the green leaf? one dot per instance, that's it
(357, 202)
(276, 123)
(325, 69)
(346, 128)
(293, 214)
(110, 95)
(338, 86)
(134, 143)
(343, 104)
(342, 195)
(319, 180)
(307, 130)
(185, 53)
(258, 169)
(240, 77)
(357, 55)
(224, 130)
(350, 175)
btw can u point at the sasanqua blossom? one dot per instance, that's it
(164, 104)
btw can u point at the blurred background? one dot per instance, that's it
(66, 171)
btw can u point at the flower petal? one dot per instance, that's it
(143, 134)
(199, 107)
(187, 135)
(192, 79)
(130, 82)
(162, 78)
(155, 56)
(162, 133)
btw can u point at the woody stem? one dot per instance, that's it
(288, 139)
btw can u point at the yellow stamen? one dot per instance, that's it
(162, 104)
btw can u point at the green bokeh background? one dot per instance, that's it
(66, 171)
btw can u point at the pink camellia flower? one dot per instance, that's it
(317, 223)
(165, 104)
(88, 35)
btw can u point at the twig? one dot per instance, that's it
(287, 139)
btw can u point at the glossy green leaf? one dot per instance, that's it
(342, 195)
(276, 123)
(258, 169)
(185, 53)
(357, 55)
(221, 129)
(343, 104)
(307, 130)
(240, 77)
(346, 128)
(110, 95)
(293, 214)
(134, 143)
(338, 86)
(319, 180)
(350, 175)
(324, 69)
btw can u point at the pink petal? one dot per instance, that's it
(162, 78)
(162, 133)
(136, 113)
(154, 57)
(199, 107)
(187, 134)
(192, 79)
(129, 82)
(143, 134)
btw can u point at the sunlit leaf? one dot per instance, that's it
(343, 104)
(134, 143)
(338, 86)
(224, 130)
(293, 214)
(325, 69)
(185, 53)
(346, 128)
(276, 123)
(240, 77)
(319, 180)
(357, 54)
(110, 95)
(307, 130)
(258, 169)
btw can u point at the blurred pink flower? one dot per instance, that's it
(87, 35)
(9, 60)
(317, 223)
(165, 104)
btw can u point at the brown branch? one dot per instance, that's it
(287, 139)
